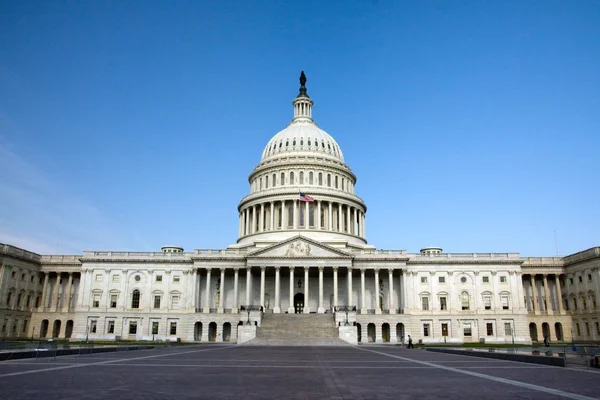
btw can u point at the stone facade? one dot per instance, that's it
(301, 248)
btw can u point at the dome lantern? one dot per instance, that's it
(302, 104)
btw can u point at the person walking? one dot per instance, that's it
(546, 341)
(410, 343)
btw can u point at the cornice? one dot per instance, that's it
(134, 261)
(218, 259)
(293, 193)
(478, 261)
(386, 259)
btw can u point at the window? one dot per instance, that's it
(25, 326)
(110, 328)
(444, 329)
(9, 298)
(155, 327)
(158, 278)
(32, 279)
(597, 328)
(574, 303)
(93, 326)
(98, 277)
(502, 279)
(135, 299)
(570, 281)
(580, 279)
(463, 279)
(133, 327)
(320, 179)
(328, 180)
(156, 301)
(423, 279)
(467, 331)
(267, 182)
(442, 279)
(465, 301)
(282, 179)
(593, 299)
(425, 303)
(96, 300)
(310, 178)
(116, 278)
(23, 277)
(301, 177)
(28, 301)
(443, 305)
(589, 277)
(566, 301)
(587, 328)
(13, 274)
(336, 182)
(19, 298)
(507, 329)
(426, 330)
(113, 301)
(487, 302)
(486, 279)
(274, 182)
(175, 301)
(578, 329)
(173, 328)
(176, 279)
(292, 178)
(504, 302)
(489, 328)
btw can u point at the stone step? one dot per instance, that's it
(297, 330)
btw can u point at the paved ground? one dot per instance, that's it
(253, 372)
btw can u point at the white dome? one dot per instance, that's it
(302, 138)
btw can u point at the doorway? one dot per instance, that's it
(299, 303)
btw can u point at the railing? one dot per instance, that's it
(60, 259)
(138, 254)
(15, 251)
(247, 308)
(345, 308)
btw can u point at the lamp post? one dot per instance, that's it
(248, 310)
(347, 318)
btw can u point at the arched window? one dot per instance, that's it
(311, 215)
(301, 177)
(290, 218)
(328, 180)
(9, 298)
(343, 186)
(135, 299)
(465, 300)
(274, 181)
(267, 182)
(336, 182)
(320, 179)
(282, 181)
(322, 217)
(310, 178)
(260, 183)
(292, 178)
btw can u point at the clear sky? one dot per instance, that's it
(471, 125)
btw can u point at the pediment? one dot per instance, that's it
(299, 247)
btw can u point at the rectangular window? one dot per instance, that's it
(158, 278)
(426, 330)
(507, 329)
(175, 301)
(580, 279)
(502, 279)
(597, 328)
(587, 328)
(156, 301)
(443, 305)
(442, 279)
(467, 331)
(173, 328)
(444, 329)
(490, 328)
(116, 278)
(425, 303)
(155, 327)
(98, 277)
(505, 302)
(113, 301)
(176, 279)
(578, 329)
(423, 279)
(570, 281)
(133, 327)
(487, 302)
(25, 326)
(589, 277)
(93, 326)
(486, 279)
(96, 301)
(110, 328)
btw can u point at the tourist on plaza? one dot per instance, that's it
(410, 343)
(546, 341)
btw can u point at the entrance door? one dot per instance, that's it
(299, 303)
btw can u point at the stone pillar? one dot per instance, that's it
(339, 213)
(559, 298)
(318, 221)
(347, 226)
(392, 304)
(536, 305)
(246, 221)
(291, 306)
(56, 293)
(253, 229)
(283, 215)
(335, 287)
(222, 292)
(234, 309)
(261, 223)
(307, 216)
(363, 300)
(277, 308)
(364, 225)
(306, 291)
(272, 216)
(248, 277)
(69, 291)
(295, 216)
(547, 295)
(321, 309)
(45, 289)
(262, 286)
(377, 303)
(207, 294)
(349, 286)
(329, 218)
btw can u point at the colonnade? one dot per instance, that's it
(537, 302)
(294, 214)
(51, 294)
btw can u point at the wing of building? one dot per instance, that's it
(301, 271)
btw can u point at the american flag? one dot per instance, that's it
(305, 197)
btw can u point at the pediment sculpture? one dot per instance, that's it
(298, 249)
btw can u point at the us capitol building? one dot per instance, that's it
(301, 269)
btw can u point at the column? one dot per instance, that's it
(222, 292)
(236, 273)
(272, 226)
(253, 229)
(262, 286)
(392, 305)
(277, 308)
(261, 223)
(536, 305)
(248, 277)
(45, 289)
(377, 303)
(197, 291)
(348, 223)
(295, 222)
(561, 308)
(307, 216)
(207, 300)
(246, 221)
(283, 215)
(240, 232)
(291, 306)
(340, 225)
(318, 221)
(329, 217)
(547, 295)
(353, 230)
(306, 291)
(364, 225)
(335, 286)
(363, 300)
(56, 292)
(349, 286)
(69, 290)
(321, 309)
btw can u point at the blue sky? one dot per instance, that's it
(471, 125)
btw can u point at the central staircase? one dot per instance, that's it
(297, 330)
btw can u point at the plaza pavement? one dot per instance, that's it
(277, 372)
